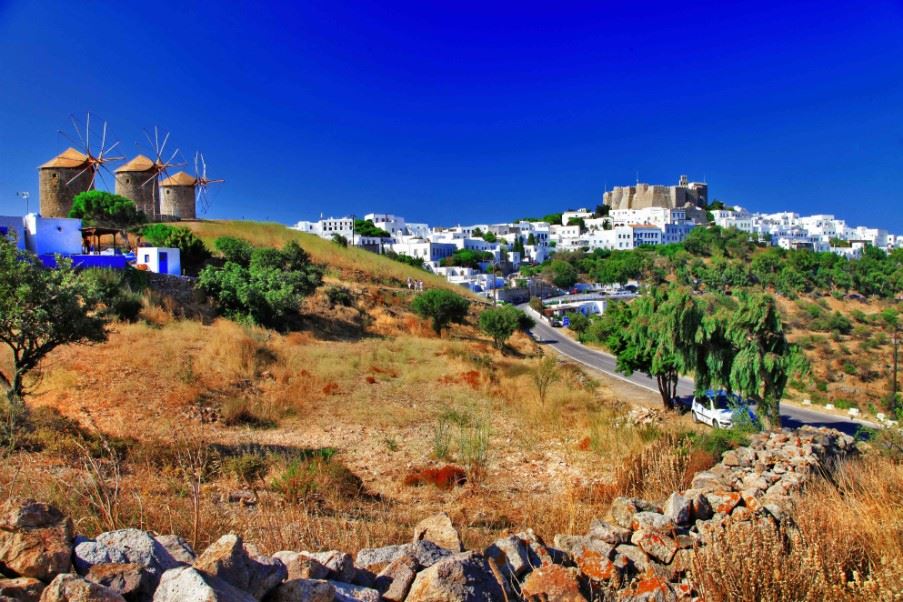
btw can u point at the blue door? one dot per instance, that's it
(164, 263)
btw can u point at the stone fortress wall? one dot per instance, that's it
(641, 196)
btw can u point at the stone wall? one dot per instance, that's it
(57, 188)
(642, 196)
(134, 185)
(642, 549)
(177, 202)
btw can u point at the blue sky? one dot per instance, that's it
(473, 111)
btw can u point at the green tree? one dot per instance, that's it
(467, 258)
(763, 360)
(100, 208)
(40, 309)
(601, 210)
(237, 250)
(563, 274)
(500, 323)
(490, 237)
(368, 228)
(267, 290)
(531, 239)
(577, 322)
(442, 307)
(192, 252)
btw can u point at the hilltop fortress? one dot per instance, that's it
(642, 196)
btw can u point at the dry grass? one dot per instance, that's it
(845, 542)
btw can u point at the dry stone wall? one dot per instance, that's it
(642, 551)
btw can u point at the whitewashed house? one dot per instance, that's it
(160, 260)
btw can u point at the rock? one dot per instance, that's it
(244, 497)
(303, 590)
(460, 578)
(637, 557)
(227, 559)
(511, 554)
(623, 509)
(439, 530)
(679, 509)
(339, 564)
(394, 581)
(702, 509)
(69, 587)
(723, 501)
(35, 539)
(655, 544)
(130, 580)
(554, 583)
(21, 589)
(592, 556)
(706, 481)
(301, 566)
(187, 584)
(427, 553)
(730, 458)
(346, 592)
(651, 521)
(125, 546)
(376, 559)
(599, 529)
(177, 547)
(649, 588)
(539, 553)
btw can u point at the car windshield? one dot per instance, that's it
(725, 402)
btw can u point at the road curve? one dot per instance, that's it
(791, 415)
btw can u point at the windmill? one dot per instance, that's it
(93, 161)
(138, 179)
(201, 182)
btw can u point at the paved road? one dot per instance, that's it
(791, 415)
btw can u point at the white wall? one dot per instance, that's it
(45, 235)
(150, 256)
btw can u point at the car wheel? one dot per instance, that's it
(714, 423)
(696, 417)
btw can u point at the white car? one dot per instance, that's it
(719, 410)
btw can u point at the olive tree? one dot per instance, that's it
(442, 307)
(40, 309)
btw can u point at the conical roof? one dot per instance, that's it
(139, 163)
(179, 179)
(69, 158)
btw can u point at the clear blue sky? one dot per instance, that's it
(473, 111)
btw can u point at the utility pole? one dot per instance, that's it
(24, 195)
(896, 341)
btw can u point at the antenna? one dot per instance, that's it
(24, 195)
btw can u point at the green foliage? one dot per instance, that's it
(339, 295)
(563, 274)
(249, 468)
(467, 258)
(718, 441)
(490, 237)
(340, 240)
(601, 210)
(536, 304)
(267, 290)
(118, 291)
(500, 323)
(234, 249)
(367, 228)
(578, 322)
(40, 309)
(406, 259)
(531, 239)
(192, 252)
(441, 306)
(99, 208)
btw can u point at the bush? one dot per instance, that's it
(192, 252)
(339, 295)
(442, 307)
(248, 468)
(116, 290)
(316, 476)
(234, 249)
(500, 323)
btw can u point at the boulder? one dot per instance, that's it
(612, 534)
(439, 530)
(511, 554)
(723, 502)
(177, 547)
(35, 539)
(227, 559)
(129, 580)
(376, 559)
(651, 521)
(427, 553)
(553, 582)
(21, 589)
(678, 509)
(125, 546)
(592, 556)
(649, 588)
(339, 564)
(303, 590)
(460, 578)
(394, 581)
(702, 509)
(69, 587)
(301, 566)
(656, 544)
(346, 592)
(637, 557)
(623, 509)
(187, 584)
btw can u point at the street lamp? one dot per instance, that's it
(24, 195)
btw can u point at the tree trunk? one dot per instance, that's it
(667, 388)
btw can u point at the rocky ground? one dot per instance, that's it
(642, 551)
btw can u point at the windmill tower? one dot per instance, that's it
(181, 193)
(73, 171)
(138, 179)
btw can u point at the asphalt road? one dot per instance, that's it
(792, 416)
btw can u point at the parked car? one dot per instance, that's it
(720, 409)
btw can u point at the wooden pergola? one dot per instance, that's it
(92, 234)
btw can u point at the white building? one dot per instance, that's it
(49, 235)
(160, 260)
(583, 214)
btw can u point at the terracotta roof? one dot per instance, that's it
(139, 163)
(179, 179)
(68, 158)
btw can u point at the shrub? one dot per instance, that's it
(192, 252)
(240, 412)
(234, 249)
(445, 477)
(442, 307)
(248, 468)
(339, 295)
(442, 438)
(316, 476)
(340, 240)
(500, 323)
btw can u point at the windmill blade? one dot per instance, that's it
(163, 146)
(71, 139)
(97, 172)
(88, 134)
(196, 172)
(204, 165)
(156, 173)
(76, 176)
(77, 130)
(103, 139)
